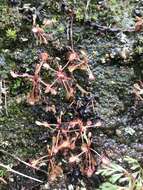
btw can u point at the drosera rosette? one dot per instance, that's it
(73, 141)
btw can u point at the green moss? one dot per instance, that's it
(11, 34)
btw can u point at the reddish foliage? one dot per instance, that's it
(44, 56)
(139, 24)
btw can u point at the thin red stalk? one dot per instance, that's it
(65, 65)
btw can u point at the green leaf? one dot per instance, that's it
(123, 179)
(108, 173)
(131, 160)
(117, 167)
(108, 186)
(116, 177)
(135, 166)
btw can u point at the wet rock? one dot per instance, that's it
(2, 60)
(138, 147)
(118, 132)
(137, 12)
(14, 2)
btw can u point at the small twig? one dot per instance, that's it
(3, 93)
(86, 9)
(107, 29)
(95, 152)
(2, 180)
(5, 98)
(70, 28)
(71, 32)
(21, 174)
(23, 162)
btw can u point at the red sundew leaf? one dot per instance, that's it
(137, 87)
(72, 146)
(55, 150)
(55, 173)
(62, 76)
(37, 70)
(33, 98)
(65, 144)
(48, 22)
(84, 147)
(37, 30)
(90, 171)
(40, 34)
(44, 40)
(51, 90)
(138, 90)
(54, 139)
(141, 83)
(44, 56)
(73, 56)
(89, 122)
(74, 123)
(73, 67)
(81, 66)
(73, 159)
(70, 93)
(139, 24)
(105, 160)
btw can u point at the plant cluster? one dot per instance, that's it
(120, 178)
(58, 75)
(2, 175)
(11, 34)
(138, 90)
(71, 142)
